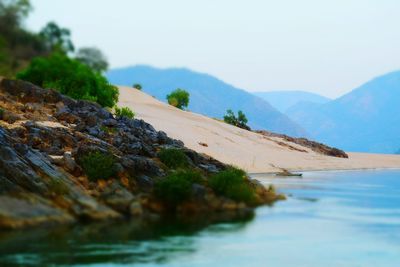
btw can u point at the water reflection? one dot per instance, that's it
(117, 242)
(330, 219)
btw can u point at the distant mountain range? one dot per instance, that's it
(208, 95)
(366, 120)
(284, 100)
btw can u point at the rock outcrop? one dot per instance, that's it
(44, 137)
(315, 146)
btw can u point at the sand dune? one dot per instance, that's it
(253, 152)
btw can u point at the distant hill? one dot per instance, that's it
(367, 119)
(208, 95)
(283, 100)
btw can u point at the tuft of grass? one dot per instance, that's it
(173, 158)
(58, 187)
(97, 165)
(124, 112)
(271, 189)
(177, 187)
(109, 130)
(231, 183)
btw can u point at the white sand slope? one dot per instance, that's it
(253, 152)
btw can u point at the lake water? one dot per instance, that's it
(330, 219)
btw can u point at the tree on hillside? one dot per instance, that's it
(13, 12)
(70, 77)
(92, 57)
(56, 38)
(137, 86)
(239, 121)
(17, 45)
(178, 98)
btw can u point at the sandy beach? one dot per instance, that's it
(253, 152)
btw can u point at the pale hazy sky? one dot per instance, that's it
(328, 47)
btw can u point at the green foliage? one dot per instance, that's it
(178, 98)
(1, 113)
(124, 112)
(57, 186)
(239, 121)
(271, 189)
(177, 187)
(231, 183)
(70, 77)
(109, 130)
(15, 9)
(98, 165)
(57, 39)
(93, 58)
(173, 158)
(137, 86)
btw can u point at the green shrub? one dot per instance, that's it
(70, 77)
(231, 183)
(124, 112)
(173, 158)
(98, 165)
(109, 130)
(239, 121)
(137, 86)
(178, 98)
(271, 189)
(177, 187)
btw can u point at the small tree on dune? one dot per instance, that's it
(239, 121)
(178, 98)
(242, 119)
(137, 86)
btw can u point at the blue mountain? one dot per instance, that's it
(208, 95)
(367, 119)
(283, 100)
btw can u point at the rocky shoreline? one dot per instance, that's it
(44, 139)
(314, 146)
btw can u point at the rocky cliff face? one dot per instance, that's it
(43, 139)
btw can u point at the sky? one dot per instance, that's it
(321, 46)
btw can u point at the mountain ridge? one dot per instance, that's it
(362, 120)
(284, 100)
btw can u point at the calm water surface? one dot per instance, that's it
(330, 219)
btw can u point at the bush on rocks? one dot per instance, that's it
(231, 183)
(124, 112)
(98, 165)
(173, 158)
(70, 77)
(177, 187)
